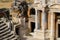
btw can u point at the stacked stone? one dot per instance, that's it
(5, 31)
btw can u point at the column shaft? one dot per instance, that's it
(36, 21)
(52, 26)
(44, 22)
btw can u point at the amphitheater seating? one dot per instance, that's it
(5, 31)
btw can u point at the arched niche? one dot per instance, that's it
(55, 6)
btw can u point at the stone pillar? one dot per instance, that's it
(43, 23)
(36, 21)
(39, 19)
(52, 26)
(29, 23)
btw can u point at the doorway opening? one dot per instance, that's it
(58, 30)
(17, 31)
(4, 12)
(32, 26)
(32, 11)
(57, 22)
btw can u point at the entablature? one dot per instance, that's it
(52, 2)
(55, 8)
(40, 2)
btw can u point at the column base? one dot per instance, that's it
(38, 34)
(51, 38)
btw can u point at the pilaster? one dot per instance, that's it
(52, 26)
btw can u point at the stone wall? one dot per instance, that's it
(5, 3)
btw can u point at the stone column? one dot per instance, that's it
(36, 21)
(52, 26)
(43, 23)
(39, 19)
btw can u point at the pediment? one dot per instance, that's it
(55, 6)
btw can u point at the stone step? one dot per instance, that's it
(15, 38)
(2, 33)
(8, 36)
(38, 34)
(32, 34)
(12, 37)
(2, 24)
(31, 38)
(3, 27)
(1, 20)
(4, 30)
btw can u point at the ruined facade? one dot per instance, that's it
(43, 18)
